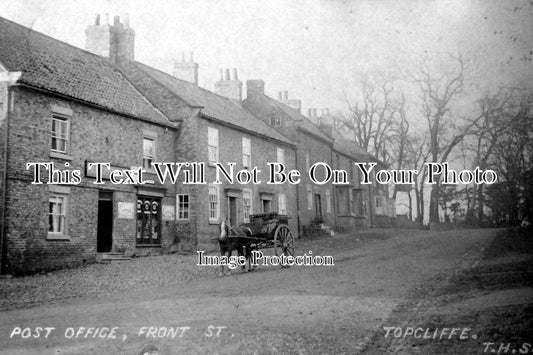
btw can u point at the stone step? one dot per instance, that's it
(107, 258)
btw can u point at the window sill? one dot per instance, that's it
(148, 245)
(60, 155)
(214, 222)
(58, 236)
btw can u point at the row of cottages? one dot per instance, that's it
(345, 206)
(71, 108)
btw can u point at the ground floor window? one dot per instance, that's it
(57, 214)
(183, 206)
(214, 199)
(247, 204)
(148, 221)
(380, 207)
(282, 204)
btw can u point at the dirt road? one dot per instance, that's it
(299, 310)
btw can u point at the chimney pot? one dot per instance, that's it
(184, 70)
(97, 20)
(285, 95)
(221, 74)
(226, 77)
(191, 57)
(116, 20)
(235, 77)
(280, 95)
(106, 20)
(309, 112)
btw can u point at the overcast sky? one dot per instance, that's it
(316, 50)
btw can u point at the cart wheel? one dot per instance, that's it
(283, 242)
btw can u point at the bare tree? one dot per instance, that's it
(416, 156)
(438, 94)
(371, 119)
(494, 119)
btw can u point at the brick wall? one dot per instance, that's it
(263, 150)
(95, 135)
(318, 151)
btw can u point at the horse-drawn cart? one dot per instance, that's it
(270, 230)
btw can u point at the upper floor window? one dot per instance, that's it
(328, 201)
(281, 156)
(275, 121)
(246, 153)
(212, 143)
(60, 134)
(307, 162)
(148, 152)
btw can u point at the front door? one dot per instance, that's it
(318, 206)
(104, 234)
(148, 221)
(232, 208)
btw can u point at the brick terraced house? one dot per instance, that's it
(65, 106)
(70, 108)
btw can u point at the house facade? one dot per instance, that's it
(55, 128)
(315, 197)
(80, 132)
(64, 110)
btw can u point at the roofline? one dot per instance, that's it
(52, 38)
(103, 108)
(328, 140)
(242, 129)
(323, 139)
(163, 84)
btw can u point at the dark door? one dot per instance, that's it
(232, 205)
(148, 221)
(318, 205)
(104, 237)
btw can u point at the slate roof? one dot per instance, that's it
(348, 148)
(265, 104)
(210, 104)
(58, 67)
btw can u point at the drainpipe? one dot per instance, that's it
(9, 78)
(3, 248)
(371, 205)
(297, 193)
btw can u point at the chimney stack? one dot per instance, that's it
(255, 88)
(115, 42)
(229, 87)
(292, 103)
(187, 71)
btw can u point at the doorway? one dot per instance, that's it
(232, 209)
(318, 206)
(104, 234)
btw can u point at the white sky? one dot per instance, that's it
(314, 49)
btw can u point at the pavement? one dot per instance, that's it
(188, 310)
